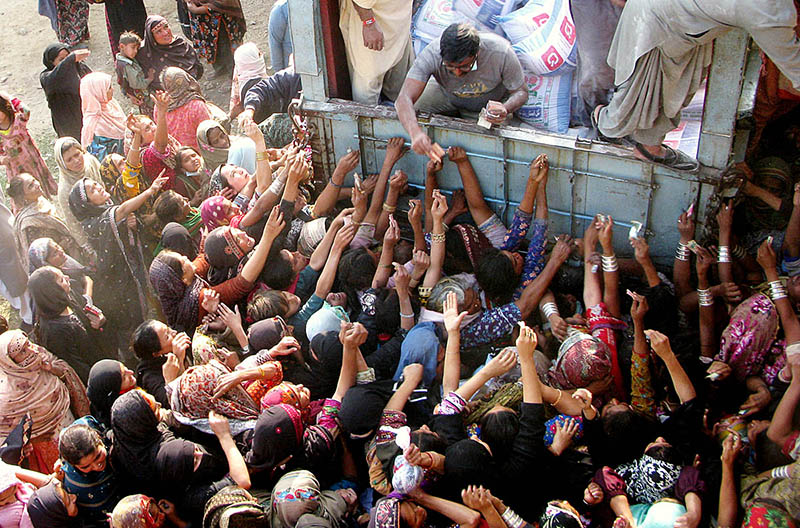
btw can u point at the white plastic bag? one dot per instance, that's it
(548, 105)
(543, 36)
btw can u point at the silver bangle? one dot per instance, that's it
(724, 255)
(777, 290)
(682, 252)
(705, 297)
(738, 252)
(549, 309)
(407, 316)
(610, 263)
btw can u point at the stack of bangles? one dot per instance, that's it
(724, 254)
(610, 263)
(389, 208)
(777, 290)
(549, 309)
(262, 156)
(705, 297)
(682, 252)
(738, 252)
(438, 237)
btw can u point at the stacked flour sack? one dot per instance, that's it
(541, 33)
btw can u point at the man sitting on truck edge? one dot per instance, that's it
(470, 69)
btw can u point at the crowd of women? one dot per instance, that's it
(209, 339)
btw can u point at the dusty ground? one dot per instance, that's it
(28, 33)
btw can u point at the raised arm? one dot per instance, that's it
(384, 269)
(330, 195)
(438, 209)
(728, 498)
(395, 149)
(263, 167)
(352, 336)
(401, 284)
(610, 268)
(452, 353)
(708, 340)
(533, 292)
(132, 204)
(328, 275)
(681, 266)
(275, 224)
(236, 464)
(680, 380)
(780, 428)
(397, 183)
(458, 513)
(478, 208)
(526, 344)
(431, 184)
(404, 105)
(161, 100)
(412, 377)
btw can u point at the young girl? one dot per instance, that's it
(18, 151)
(103, 128)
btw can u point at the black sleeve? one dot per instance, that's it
(153, 382)
(528, 446)
(192, 503)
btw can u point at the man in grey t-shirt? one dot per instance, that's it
(470, 69)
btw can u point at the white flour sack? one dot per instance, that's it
(543, 35)
(485, 13)
(431, 20)
(548, 106)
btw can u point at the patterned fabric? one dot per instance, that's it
(297, 494)
(474, 241)
(181, 87)
(642, 393)
(157, 57)
(39, 220)
(491, 326)
(72, 21)
(561, 419)
(746, 340)
(182, 122)
(214, 212)
(19, 153)
(206, 28)
(205, 348)
(282, 393)
(791, 447)
(763, 488)
(233, 501)
(181, 303)
(196, 391)
(647, 479)
(28, 388)
(766, 515)
(560, 514)
(385, 513)
(581, 360)
(451, 404)
(260, 387)
(535, 258)
(605, 327)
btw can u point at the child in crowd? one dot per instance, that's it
(130, 75)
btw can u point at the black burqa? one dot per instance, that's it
(62, 88)
(122, 16)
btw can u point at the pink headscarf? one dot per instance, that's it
(102, 115)
(248, 64)
(212, 211)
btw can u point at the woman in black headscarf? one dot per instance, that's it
(163, 49)
(122, 16)
(52, 507)
(64, 328)
(61, 82)
(108, 380)
(176, 237)
(112, 231)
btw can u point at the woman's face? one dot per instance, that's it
(243, 240)
(118, 161)
(128, 378)
(73, 159)
(191, 161)
(31, 188)
(304, 393)
(26, 355)
(148, 130)
(63, 281)
(472, 301)
(70, 501)
(55, 255)
(297, 259)
(94, 461)
(60, 57)
(237, 177)
(293, 301)
(218, 138)
(188, 271)
(163, 34)
(186, 207)
(96, 193)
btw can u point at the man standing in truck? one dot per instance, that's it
(377, 38)
(471, 71)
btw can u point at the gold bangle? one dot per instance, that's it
(262, 156)
(438, 237)
(389, 208)
(559, 397)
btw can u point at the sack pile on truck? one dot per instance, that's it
(542, 34)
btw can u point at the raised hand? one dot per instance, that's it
(452, 317)
(275, 223)
(501, 363)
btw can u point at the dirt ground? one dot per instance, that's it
(28, 33)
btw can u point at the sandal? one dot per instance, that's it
(600, 136)
(672, 159)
